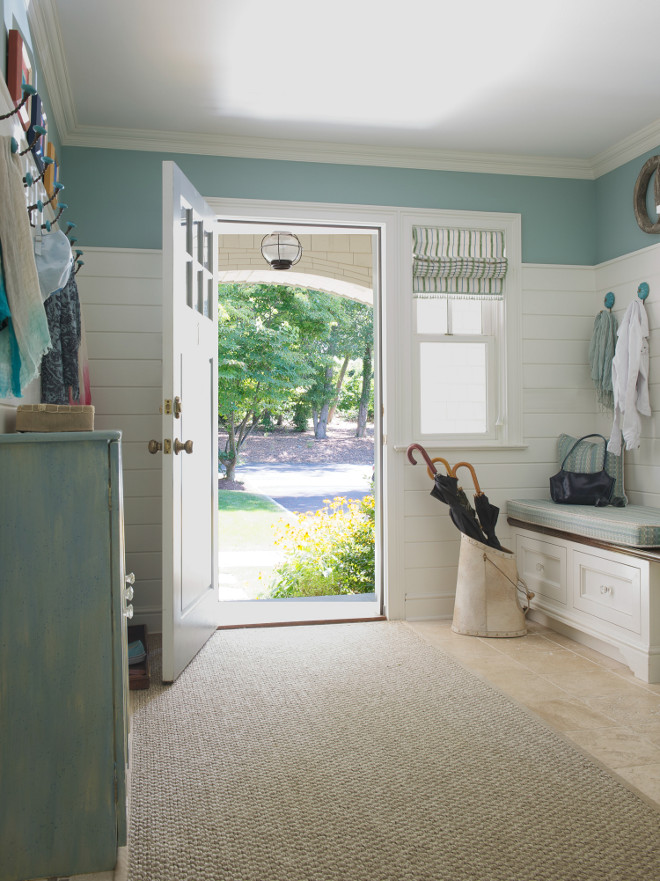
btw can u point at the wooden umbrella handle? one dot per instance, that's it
(425, 456)
(432, 474)
(458, 465)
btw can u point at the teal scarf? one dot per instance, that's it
(14, 383)
(601, 352)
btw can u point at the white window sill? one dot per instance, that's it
(439, 447)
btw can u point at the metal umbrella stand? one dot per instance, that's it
(488, 589)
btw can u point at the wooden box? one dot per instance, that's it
(55, 417)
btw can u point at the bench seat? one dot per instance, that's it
(633, 526)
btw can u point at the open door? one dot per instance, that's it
(190, 405)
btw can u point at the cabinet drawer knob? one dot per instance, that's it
(129, 611)
(605, 590)
(129, 593)
(130, 578)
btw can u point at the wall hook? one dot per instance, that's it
(28, 91)
(63, 207)
(643, 291)
(28, 180)
(609, 300)
(39, 130)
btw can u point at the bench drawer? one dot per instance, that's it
(542, 566)
(608, 590)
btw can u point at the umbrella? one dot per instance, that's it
(487, 512)
(447, 490)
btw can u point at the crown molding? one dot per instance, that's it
(326, 152)
(629, 148)
(47, 39)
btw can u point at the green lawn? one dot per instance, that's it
(247, 520)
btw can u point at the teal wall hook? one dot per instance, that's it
(609, 300)
(643, 291)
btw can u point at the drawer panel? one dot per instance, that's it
(608, 590)
(542, 566)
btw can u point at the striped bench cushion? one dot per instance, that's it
(633, 526)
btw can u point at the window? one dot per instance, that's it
(466, 332)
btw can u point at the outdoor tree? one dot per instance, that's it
(263, 359)
(349, 336)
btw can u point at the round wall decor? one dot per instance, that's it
(650, 167)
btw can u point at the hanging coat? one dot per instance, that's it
(630, 378)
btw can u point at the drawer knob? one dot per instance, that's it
(129, 611)
(130, 578)
(605, 590)
(129, 593)
(540, 567)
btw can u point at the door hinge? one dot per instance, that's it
(177, 407)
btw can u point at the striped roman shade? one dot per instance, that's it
(464, 263)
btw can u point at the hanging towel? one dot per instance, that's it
(601, 353)
(630, 378)
(21, 279)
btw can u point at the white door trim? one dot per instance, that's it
(387, 221)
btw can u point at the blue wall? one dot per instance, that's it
(617, 231)
(115, 196)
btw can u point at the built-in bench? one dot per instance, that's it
(595, 573)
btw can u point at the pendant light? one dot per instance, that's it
(281, 249)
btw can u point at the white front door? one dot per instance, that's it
(190, 405)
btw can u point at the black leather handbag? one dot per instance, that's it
(576, 488)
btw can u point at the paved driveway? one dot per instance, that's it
(304, 487)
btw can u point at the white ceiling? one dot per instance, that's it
(566, 84)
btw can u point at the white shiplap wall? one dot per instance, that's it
(622, 276)
(121, 297)
(558, 315)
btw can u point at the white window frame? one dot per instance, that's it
(503, 338)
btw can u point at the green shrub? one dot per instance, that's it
(329, 552)
(301, 415)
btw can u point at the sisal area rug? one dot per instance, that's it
(357, 752)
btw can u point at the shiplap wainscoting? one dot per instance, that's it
(121, 295)
(622, 276)
(558, 395)
(121, 298)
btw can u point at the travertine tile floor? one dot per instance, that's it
(590, 698)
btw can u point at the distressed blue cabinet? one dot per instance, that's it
(63, 666)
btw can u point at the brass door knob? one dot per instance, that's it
(154, 447)
(178, 446)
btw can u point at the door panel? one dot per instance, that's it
(190, 477)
